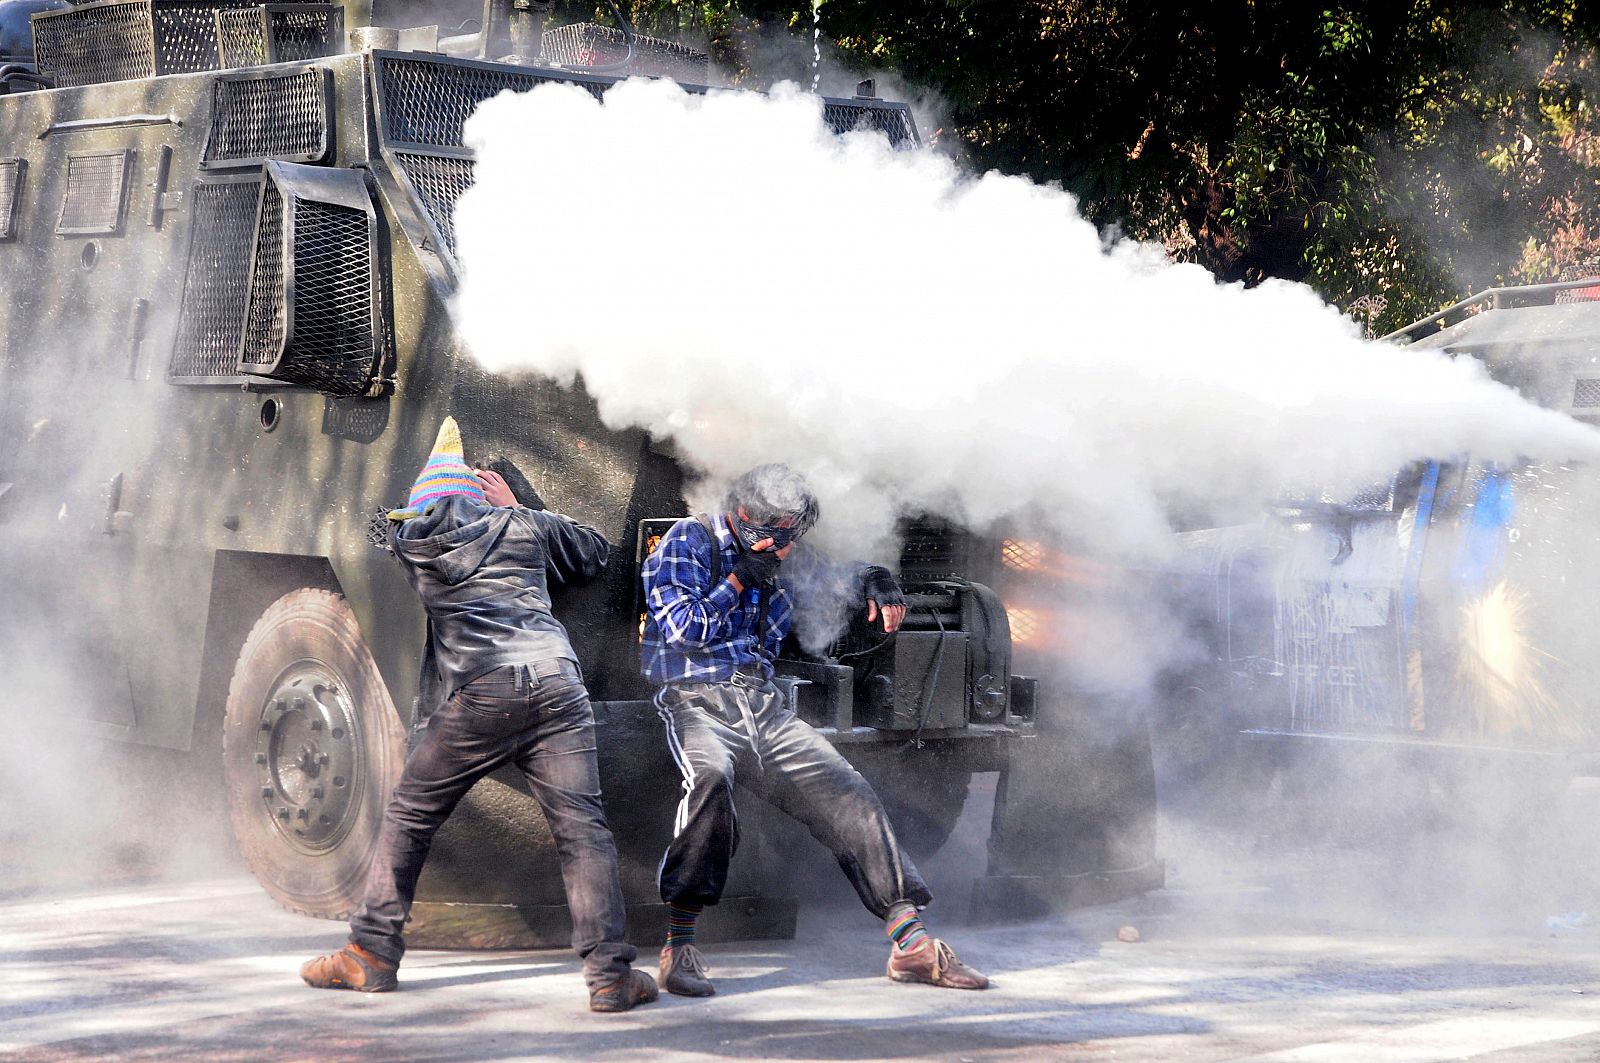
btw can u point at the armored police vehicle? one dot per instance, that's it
(1445, 617)
(227, 253)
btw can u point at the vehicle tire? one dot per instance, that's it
(312, 748)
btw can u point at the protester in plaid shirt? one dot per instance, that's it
(717, 612)
(691, 635)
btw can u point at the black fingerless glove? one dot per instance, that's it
(879, 585)
(756, 567)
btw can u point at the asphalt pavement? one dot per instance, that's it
(1235, 961)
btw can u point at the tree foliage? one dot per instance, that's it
(1412, 151)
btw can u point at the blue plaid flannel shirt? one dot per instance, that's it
(694, 632)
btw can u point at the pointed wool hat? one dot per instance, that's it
(444, 474)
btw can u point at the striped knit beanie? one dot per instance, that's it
(445, 474)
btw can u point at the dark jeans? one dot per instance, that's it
(741, 731)
(546, 727)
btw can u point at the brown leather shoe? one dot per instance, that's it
(352, 967)
(934, 963)
(635, 987)
(683, 972)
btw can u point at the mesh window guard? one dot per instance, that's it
(255, 117)
(314, 313)
(96, 186)
(10, 195)
(211, 320)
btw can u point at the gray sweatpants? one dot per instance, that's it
(741, 732)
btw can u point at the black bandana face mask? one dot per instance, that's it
(751, 533)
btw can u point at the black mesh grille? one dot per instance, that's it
(333, 341)
(1586, 392)
(440, 180)
(310, 32)
(242, 37)
(893, 122)
(378, 530)
(429, 102)
(313, 327)
(95, 185)
(117, 40)
(10, 194)
(186, 34)
(263, 338)
(215, 288)
(933, 550)
(277, 33)
(95, 44)
(256, 118)
(591, 44)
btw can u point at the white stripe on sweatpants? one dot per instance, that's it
(680, 757)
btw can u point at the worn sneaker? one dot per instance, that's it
(934, 963)
(635, 987)
(352, 967)
(683, 972)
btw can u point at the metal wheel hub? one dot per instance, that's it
(308, 757)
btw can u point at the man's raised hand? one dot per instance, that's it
(495, 489)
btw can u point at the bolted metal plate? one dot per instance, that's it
(96, 185)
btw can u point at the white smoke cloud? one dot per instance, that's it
(725, 271)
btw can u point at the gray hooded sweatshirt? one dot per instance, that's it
(483, 573)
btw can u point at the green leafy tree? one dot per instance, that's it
(1412, 151)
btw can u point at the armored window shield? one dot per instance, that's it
(314, 313)
(440, 181)
(422, 106)
(423, 103)
(96, 188)
(211, 316)
(591, 44)
(1586, 396)
(260, 115)
(893, 120)
(278, 33)
(94, 43)
(11, 171)
(120, 40)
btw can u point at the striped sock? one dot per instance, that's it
(680, 923)
(904, 926)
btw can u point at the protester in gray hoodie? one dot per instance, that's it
(513, 694)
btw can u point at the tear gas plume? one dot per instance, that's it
(733, 276)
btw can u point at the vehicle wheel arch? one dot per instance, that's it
(243, 584)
